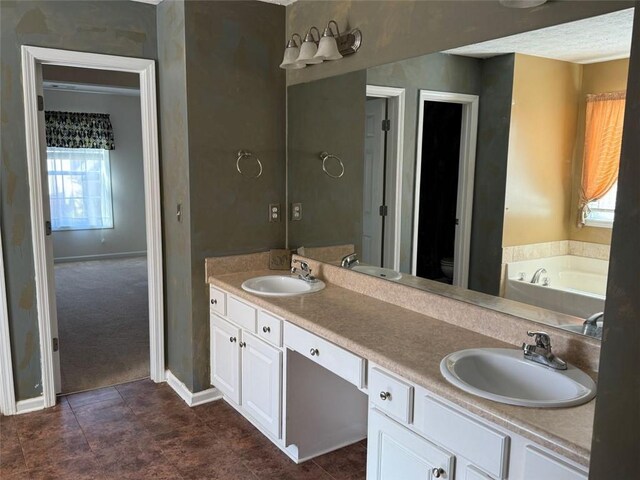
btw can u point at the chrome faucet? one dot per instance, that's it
(593, 325)
(304, 273)
(349, 261)
(536, 276)
(541, 352)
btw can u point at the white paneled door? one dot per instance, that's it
(225, 357)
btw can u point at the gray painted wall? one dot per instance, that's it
(128, 235)
(327, 115)
(118, 28)
(616, 432)
(398, 29)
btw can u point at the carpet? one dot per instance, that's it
(103, 322)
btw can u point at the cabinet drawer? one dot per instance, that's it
(241, 314)
(217, 301)
(339, 361)
(391, 395)
(270, 328)
(482, 445)
(538, 464)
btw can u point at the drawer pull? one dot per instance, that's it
(266, 329)
(385, 395)
(314, 352)
(214, 301)
(232, 339)
(437, 472)
(243, 344)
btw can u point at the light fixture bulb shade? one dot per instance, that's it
(328, 49)
(290, 59)
(307, 52)
(522, 3)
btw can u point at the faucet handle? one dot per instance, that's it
(542, 339)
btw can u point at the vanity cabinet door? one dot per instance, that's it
(225, 357)
(262, 383)
(394, 452)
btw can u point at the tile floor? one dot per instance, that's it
(144, 430)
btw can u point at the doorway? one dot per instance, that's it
(33, 59)
(383, 154)
(445, 166)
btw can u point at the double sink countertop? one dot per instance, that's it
(412, 345)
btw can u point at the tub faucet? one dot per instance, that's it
(349, 261)
(593, 325)
(536, 276)
(304, 273)
(541, 351)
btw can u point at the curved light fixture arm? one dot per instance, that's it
(292, 42)
(329, 27)
(309, 36)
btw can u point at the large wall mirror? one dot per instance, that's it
(487, 173)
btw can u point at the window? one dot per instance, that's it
(601, 212)
(79, 188)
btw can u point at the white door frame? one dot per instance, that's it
(32, 57)
(7, 392)
(396, 98)
(466, 172)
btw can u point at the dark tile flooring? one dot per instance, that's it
(144, 430)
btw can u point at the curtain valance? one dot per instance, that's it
(79, 130)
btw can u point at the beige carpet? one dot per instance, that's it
(103, 322)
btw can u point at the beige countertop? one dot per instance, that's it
(412, 344)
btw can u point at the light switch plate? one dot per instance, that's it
(274, 212)
(296, 212)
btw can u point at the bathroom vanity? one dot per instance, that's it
(320, 371)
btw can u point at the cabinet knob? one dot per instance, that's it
(266, 329)
(232, 339)
(385, 395)
(214, 301)
(437, 472)
(314, 352)
(243, 344)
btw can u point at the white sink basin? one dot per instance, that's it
(503, 375)
(378, 272)
(281, 286)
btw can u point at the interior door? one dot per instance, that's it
(262, 383)
(374, 146)
(46, 210)
(225, 357)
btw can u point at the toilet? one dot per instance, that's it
(446, 265)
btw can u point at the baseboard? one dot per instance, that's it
(30, 405)
(192, 399)
(105, 256)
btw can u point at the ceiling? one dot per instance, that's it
(596, 39)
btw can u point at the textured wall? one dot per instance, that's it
(118, 28)
(600, 77)
(541, 141)
(236, 101)
(174, 146)
(492, 151)
(439, 72)
(393, 30)
(327, 115)
(128, 234)
(616, 431)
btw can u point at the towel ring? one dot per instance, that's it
(244, 153)
(326, 156)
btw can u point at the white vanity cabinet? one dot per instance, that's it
(246, 369)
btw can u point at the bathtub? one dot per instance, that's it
(577, 285)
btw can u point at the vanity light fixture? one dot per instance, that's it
(291, 54)
(328, 47)
(309, 47)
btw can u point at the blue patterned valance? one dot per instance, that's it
(79, 130)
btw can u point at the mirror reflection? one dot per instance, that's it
(491, 167)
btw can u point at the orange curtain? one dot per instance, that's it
(602, 143)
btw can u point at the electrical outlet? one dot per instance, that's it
(274, 212)
(296, 212)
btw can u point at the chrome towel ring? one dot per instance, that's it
(326, 156)
(245, 153)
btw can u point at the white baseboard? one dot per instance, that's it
(105, 256)
(30, 405)
(192, 399)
